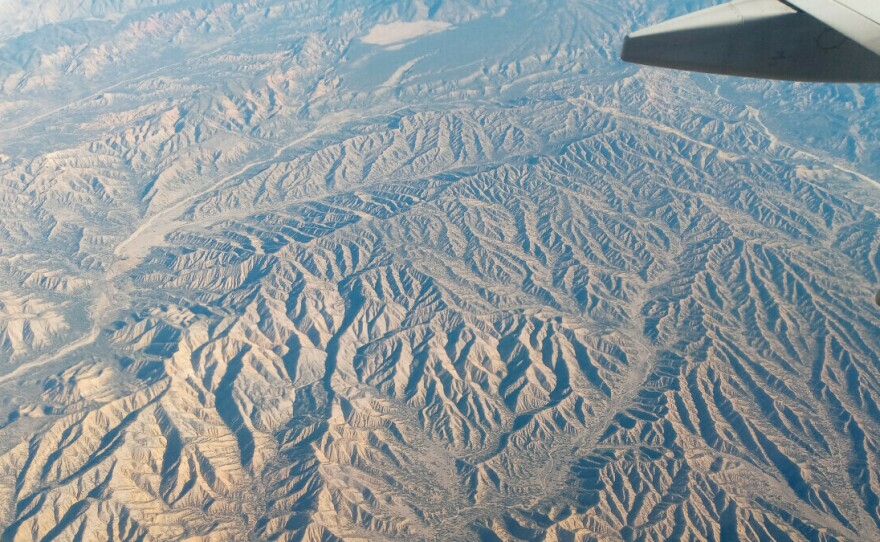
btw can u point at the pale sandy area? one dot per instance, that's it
(398, 32)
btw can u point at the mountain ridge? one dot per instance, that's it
(281, 289)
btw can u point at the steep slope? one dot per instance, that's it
(261, 278)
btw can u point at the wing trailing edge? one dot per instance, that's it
(766, 39)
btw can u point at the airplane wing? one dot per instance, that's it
(799, 40)
(859, 20)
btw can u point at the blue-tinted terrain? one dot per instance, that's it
(426, 270)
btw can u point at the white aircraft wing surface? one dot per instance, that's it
(859, 20)
(800, 40)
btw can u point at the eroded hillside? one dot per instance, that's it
(468, 278)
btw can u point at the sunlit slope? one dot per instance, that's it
(469, 279)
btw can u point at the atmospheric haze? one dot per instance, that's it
(426, 270)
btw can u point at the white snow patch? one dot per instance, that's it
(398, 75)
(397, 32)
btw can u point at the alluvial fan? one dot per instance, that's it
(406, 270)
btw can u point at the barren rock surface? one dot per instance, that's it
(411, 270)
